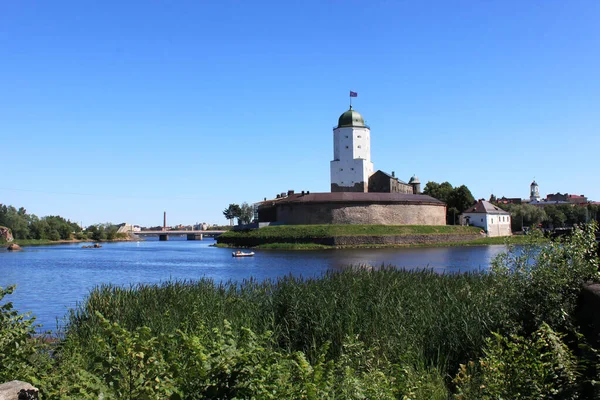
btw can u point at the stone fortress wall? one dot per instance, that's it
(384, 213)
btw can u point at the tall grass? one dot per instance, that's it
(320, 233)
(441, 320)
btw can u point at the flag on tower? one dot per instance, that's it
(353, 94)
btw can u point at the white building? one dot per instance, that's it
(534, 192)
(125, 228)
(351, 166)
(495, 221)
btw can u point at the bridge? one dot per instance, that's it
(191, 235)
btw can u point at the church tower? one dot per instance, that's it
(351, 166)
(534, 192)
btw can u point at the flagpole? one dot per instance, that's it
(351, 100)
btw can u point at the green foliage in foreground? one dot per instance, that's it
(360, 334)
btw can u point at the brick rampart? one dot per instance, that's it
(361, 213)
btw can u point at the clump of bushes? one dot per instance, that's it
(361, 333)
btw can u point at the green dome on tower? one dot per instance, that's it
(351, 118)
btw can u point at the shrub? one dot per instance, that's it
(540, 366)
(17, 348)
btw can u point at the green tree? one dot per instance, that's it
(231, 212)
(439, 191)
(26, 226)
(523, 215)
(111, 231)
(246, 213)
(60, 225)
(556, 218)
(16, 220)
(96, 232)
(38, 228)
(457, 199)
(460, 198)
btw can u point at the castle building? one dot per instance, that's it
(351, 169)
(358, 195)
(351, 166)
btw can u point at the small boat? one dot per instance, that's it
(241, 254)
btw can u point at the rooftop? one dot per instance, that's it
(351, 118)
(485, 207)
(357, 197)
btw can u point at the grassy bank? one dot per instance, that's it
(45, 242)
(484, 241)
(381, 333)
(321, 231)
(302, 236)
(509, 240)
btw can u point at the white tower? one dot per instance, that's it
(351, 166)
(534, 192)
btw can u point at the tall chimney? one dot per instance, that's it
(165, 221)
(393, 174)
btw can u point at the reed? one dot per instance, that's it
(440, 319)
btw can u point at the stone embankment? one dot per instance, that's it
(398, 239)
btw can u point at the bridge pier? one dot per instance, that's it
(163, 237)
(194, 236)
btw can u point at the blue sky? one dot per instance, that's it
(117, 111)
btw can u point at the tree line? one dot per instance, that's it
(53, 227)
(244, 213)
(551, 216)
(458, 199)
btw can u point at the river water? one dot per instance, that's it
(52, 279)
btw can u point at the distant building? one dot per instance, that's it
(381, 182)
(492, 219)
(561, 199)
(505, 200)
(544, 203)
(577, 199)
(534, 192)
(125, 228)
